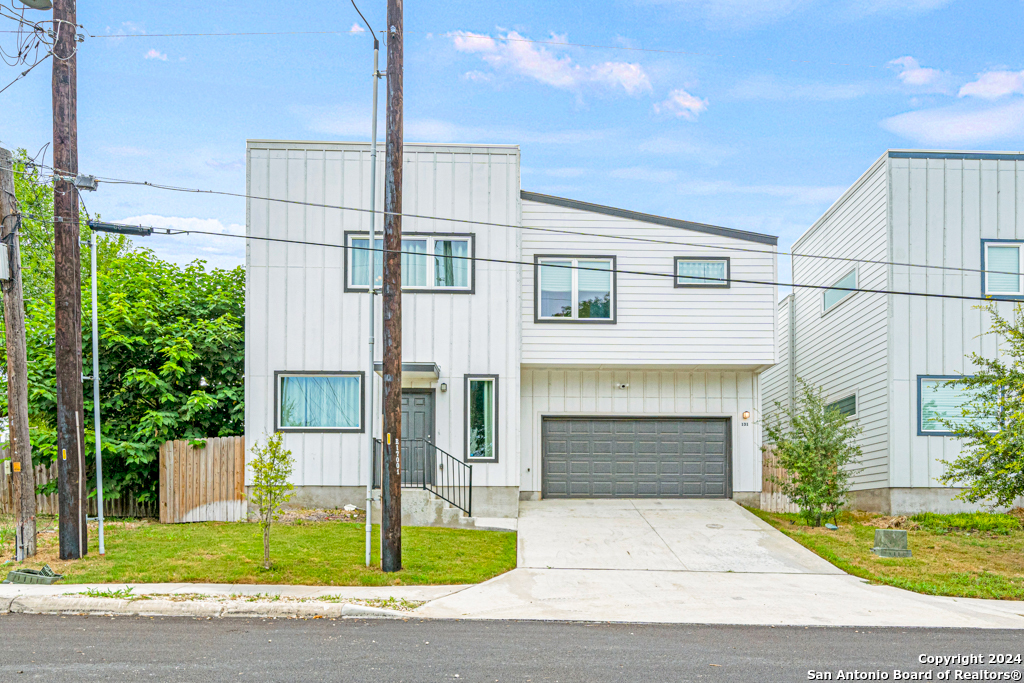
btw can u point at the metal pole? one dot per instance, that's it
(96, 395)
(371, 242)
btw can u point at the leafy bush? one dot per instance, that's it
(967, 521)
(815, 450)
(270, 487)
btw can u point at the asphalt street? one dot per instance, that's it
(73, 648)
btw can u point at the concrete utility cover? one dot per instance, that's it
(667, 535)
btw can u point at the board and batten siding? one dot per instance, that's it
(299, 318)
(844, 350)
(656, 323)
(650, 393)
(941, 209)
(775, 380)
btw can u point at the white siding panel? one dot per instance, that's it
(657, 323)
(775, 380)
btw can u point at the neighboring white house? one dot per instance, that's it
(883, 358)
(566, 358)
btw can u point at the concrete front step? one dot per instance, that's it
(423, 508)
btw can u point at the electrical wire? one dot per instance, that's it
(617, 271)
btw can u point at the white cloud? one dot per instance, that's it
(478, 76)
(514, 53)
(682, 104)
(356, 28)
(155, 54)
(959, 125)
(920, 78)
(218, 252)
(768, 87)
(796, 194)
(992, 85)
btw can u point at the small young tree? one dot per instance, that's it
(814, 444)
(991, 423)
(270, 487)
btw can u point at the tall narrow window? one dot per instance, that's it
(316, 402)
(430, 263)
(1003, 271)
(839, 290)
(482, 418)
(701, 272)
(575, 289)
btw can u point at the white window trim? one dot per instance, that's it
(856, 401)
(541, 260)
(1020, 280)
(431, 238)
(848, 295)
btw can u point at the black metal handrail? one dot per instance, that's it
(427, 467)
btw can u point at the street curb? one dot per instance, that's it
(191, 608)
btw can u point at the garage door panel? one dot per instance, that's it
(664, 457)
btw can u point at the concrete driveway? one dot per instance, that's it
(667, 535)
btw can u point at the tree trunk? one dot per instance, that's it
(266, 546)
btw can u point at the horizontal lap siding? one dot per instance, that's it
(775, 380)
(941, 210)
(656, 322)
(300, 318)
(844, 351)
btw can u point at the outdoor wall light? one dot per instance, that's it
(444, 387)
(746, 414)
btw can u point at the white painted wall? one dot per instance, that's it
(774, 381)
(844, 350)
(668, 393)
(298, 316)
(941, 209)
(657, 323)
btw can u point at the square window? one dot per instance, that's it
(574, 289)
(1003, 269)
(702, 272)
(319, 402)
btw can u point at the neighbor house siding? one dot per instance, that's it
(656, 323)
(669, 393)
(298, 316)
(775, 380)
(941, 209)
(844, 350)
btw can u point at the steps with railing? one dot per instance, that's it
(427, 467)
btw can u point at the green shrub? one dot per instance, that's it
(967, 521)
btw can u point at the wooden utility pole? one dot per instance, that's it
(67, 287)
(391, 489)
(23, 490)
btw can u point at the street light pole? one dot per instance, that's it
(371, 243)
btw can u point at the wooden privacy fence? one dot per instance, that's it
(772, 498)
(205, 484)
(126, 506)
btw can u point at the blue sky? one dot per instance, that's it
(776, 107)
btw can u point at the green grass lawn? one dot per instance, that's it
(318, 553)
(948, 559)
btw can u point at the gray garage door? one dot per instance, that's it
(635, 458)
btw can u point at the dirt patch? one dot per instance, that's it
(894, 522)
(303, 515)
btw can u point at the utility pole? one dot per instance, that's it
(67, 287)
(23, 476)
(391, 487)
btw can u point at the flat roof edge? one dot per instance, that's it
(649, 218)
(954, 154)
(260, 141)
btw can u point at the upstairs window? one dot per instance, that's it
(702, 272)
(430, 263)
(1003, 269)
(842, 289)
(575, 289)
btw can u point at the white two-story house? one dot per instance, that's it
(563, 349)
(920, 227)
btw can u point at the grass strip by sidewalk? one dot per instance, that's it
(317, 554)
(971, 565)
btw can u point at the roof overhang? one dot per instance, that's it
(428, 371)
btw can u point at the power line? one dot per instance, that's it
(235, 33)
(617, 271)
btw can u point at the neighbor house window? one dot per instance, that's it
(938, 403)
(482, 418)
(847, 406)
(575, 289)
(319, 402)
(701, 272)
(1003, 269)
(843, 286)
(429, 262)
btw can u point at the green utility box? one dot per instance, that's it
(891, 543)
(44, 576)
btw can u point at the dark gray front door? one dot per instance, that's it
(635, 458)
(418, 458)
